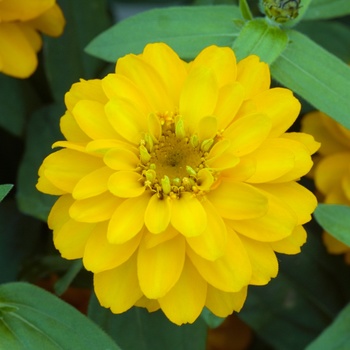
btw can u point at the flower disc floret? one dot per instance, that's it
(177, 181)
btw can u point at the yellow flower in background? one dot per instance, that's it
(177, 181)
(20, 24)
(332, 172)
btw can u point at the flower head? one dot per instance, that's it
(177, 181)
(20, 24)
(332, 171)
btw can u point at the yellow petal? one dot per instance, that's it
(121, 159)
(126, 184)
(235, 200)
(302, 162)
(127, 220)
(198, 96)
(321, 126)
(170, 68)
(158, 213)
(188, 215)
(292, 243)
(253, 75)
(211, 244)
(71, 238)
(185, 301)
(102, 146)
(277, 223)
(92, 184)
(66, 167)
(229, 273)
(221, 60)
(94, 209)
(119, 87)
(45, 186)
(229, 101)
(100, 255)
(242, 171)
(333, 245)
(280, 106)
(91, 117)
(32, 36)
(263, 260)
(51, 22)
(85, 90)
(118, 289)
(59, 213)
(23, 10)
(297, 197)
(307, 140)
(150, 304)
(222, 303)
(274, 158)
(247, 133)
(146, 77)
(151, 240)
(17, 55)
(71, 130)
(207, 128)
(126, 119)
(330, 170)
(160, 267)
(220, 158)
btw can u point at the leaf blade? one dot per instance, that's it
(335, 219)
(39, 320)
(186, 29)
(305, 67)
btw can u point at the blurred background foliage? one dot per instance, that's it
(304, 307)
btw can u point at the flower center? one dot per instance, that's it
(173, 163)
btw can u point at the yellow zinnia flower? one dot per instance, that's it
(20, 22)
(332, 172)
(177, 181)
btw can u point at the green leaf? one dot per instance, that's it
(295, 307)
(315, 74)
(335, 219)
(65, 59)
(33, 319)
(19, 239)
(324, 33)
(137, 329)
(322, 9)
(186, 29)
(245, 10)
(42, 132)
(15, 98)
(259, 38)
(4, 190)
(64, 282)
(336, 336)
(210, 319)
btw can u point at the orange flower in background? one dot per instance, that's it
(20, 24)
(332, 171)
(178, 181)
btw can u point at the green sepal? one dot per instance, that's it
(259, 38)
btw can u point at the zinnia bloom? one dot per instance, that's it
(20, 24)
(332, 172)
(177, 181)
